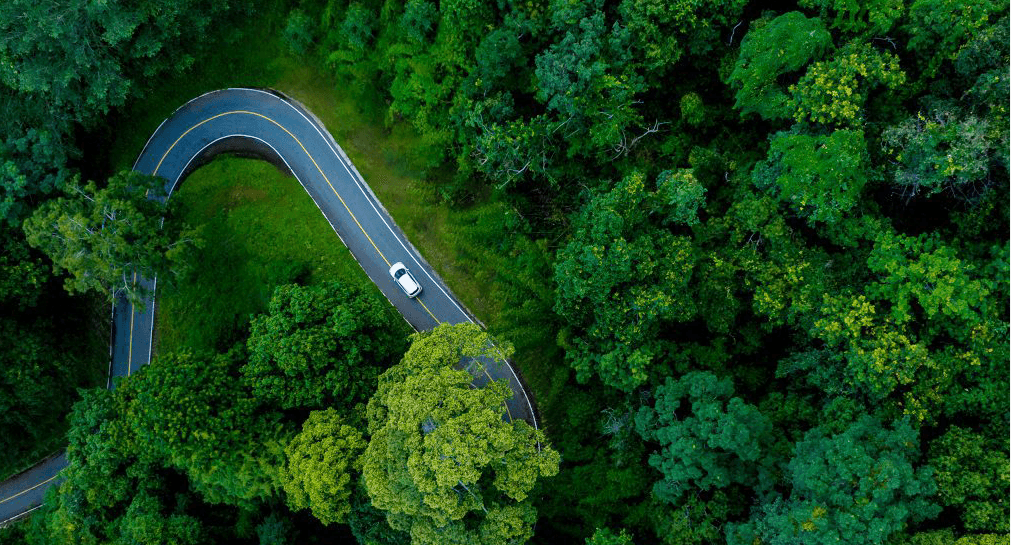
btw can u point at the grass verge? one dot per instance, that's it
(261, 230)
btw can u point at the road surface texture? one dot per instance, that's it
(271, 126)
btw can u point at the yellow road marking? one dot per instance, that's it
(428, 311)
(129, 354)
(309, 155)
(28, 489)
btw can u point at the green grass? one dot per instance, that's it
(261, 230)
(385, 156)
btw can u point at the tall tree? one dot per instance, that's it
(322, 466)
(193, 413)
(972, 479)
(771, 52)
(83, 57)
(708, 439)
(109, 495)
(107, 237)
(443, 461)
(819, 177)
(620, 279)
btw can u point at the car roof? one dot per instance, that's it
(407, 281)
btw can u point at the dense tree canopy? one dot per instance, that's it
(754, 259)
(194, 413)
(321, 462)
(321, 345)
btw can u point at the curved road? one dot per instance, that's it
(274, 127)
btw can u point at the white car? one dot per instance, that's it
(405, 279)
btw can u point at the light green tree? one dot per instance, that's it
(191, 412)
(322, 466)
(972, 477)
(443, 461)
(106, 237)
(942, 150)
(834, 91)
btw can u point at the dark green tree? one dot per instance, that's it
(858, 486)
(708, 438)
(771, 52)
(819, 177)
(83, 58)
(621, 279)
(321, 345)
(667, 31)
(606, 536)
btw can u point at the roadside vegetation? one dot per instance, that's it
(754, 264)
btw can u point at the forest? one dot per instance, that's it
(751, 258)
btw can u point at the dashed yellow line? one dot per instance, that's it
(28, 489)
(129, 354)
(309, 155)
(428, 311)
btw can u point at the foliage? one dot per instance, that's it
(820, 177)
(40, 368)
(441, 460)
(321, 345)
(32, 164)
(299, 32)
(708, 439)
(620, 279)
(109, 496)
(769, 51)
(107, 237)
(24, 273)
(192, 412)
(883, 298)
(605, 536)
(834, 91)
(667, 31)
(859, 486)
(940, 151)
(938, 29)
(322, 462)
(863, 19)
(972, 478)
(683, 193)
(83, 58)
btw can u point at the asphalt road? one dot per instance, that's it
(269, 125)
